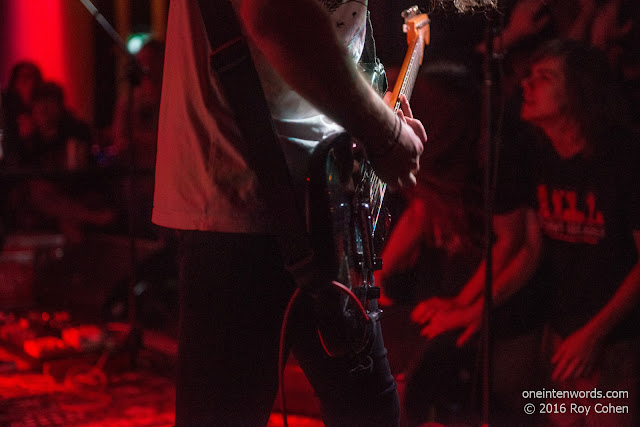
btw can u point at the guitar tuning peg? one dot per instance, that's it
(410, 12)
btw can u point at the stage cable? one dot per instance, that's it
(282, 348)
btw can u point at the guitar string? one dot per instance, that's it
(379, 187)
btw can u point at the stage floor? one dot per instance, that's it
(129, 399)
(69, 393)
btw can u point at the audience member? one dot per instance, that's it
(610, 25)
(59, 142)
(433, 251)
(24, 80)
(567, 207)
(434, 245)
(436, 219)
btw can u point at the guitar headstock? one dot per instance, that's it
(416, 26)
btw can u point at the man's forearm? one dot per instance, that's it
(510, 229)
(620, 305)
(509, 276)
(516, 274)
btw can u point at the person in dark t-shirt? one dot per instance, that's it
(568, 218)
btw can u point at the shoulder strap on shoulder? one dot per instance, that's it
(232, 63)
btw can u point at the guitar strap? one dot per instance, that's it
(232, 63)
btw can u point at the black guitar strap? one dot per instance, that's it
(232, 63)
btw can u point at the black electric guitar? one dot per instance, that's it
(345, 210)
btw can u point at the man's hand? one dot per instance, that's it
(576, 355)
(396, 162)
(425, 310)
(445, 321)
(527, 18)
(440, 315)
(384, 300)
(606, 29)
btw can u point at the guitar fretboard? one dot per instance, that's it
(378, 188)
(409, 80)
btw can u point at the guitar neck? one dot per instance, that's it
(408, 73)
(418, 36)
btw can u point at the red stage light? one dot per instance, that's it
(37, 32)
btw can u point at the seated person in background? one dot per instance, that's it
(568, 208)
(24, 80)
(59, 142)
(436, 243)
(433, 236)
(434, 250)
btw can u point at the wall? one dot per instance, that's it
(58, 36)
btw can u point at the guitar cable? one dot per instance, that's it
(283, 335)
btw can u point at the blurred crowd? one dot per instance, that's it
(566, 217)
(63, 175)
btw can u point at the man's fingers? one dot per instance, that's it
(418, 313)
(423, 316)
(560, 371)
(429, 331)
(467, 334)
(405, 107)
(418, 129)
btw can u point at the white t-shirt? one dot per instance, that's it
(202, 179)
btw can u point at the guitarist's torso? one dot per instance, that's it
(195, 112)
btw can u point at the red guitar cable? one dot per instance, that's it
(283, 334)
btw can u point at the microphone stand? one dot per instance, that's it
(134, 73)
(488, 138)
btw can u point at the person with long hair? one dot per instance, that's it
(24, 80)
(567, 218)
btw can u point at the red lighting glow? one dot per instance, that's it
(37, 31)
(57, 36)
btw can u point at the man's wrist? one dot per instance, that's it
(391, 142)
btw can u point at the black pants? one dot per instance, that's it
(233, 294)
